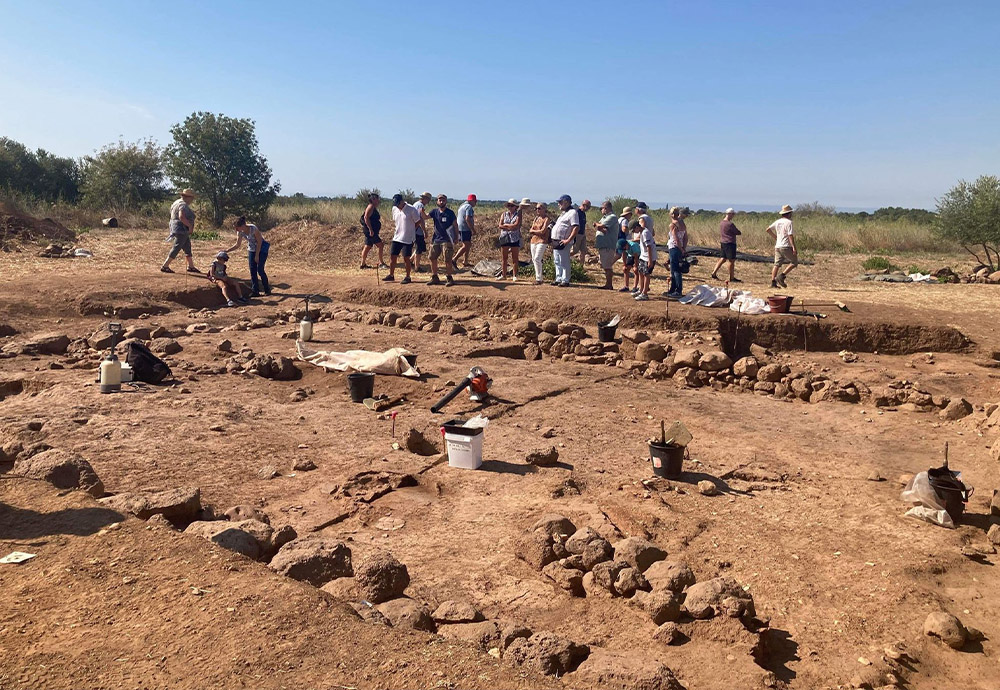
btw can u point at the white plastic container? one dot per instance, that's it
(464, 445)
(126, 373)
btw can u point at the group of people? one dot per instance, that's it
(630, 238)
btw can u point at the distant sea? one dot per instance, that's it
(766, 208)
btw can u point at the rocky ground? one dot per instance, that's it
(245, 524)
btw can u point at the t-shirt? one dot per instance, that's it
(218, 269)
(582, 215)
(647, 245)
(466, 212)
(623, 227)
(444, 225)
(649, 220)
(607, 238)
(564, 225)
(406, 224)
(180, 209)
(728, 232)
(783, 230)
(419, 205)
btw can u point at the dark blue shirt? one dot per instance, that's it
(444, 225)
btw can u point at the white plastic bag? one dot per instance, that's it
(928, 506)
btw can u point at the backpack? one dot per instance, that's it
(146, 366)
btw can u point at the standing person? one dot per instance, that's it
(539, 239)
(606, 242)
(420, 247)
(257, 248)
(564, 232)
(371, 224)
(510, 238)
(181, 226)
(466, 226)
(677, 248)
(647, 258)
(784, 247)
(406, 218)
(580, 244)
(628, 259)
(727, 240)
(445, 235)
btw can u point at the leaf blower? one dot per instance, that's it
(478, 382)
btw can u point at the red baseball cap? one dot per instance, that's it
(471, 197)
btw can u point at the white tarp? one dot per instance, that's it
(745, 303)
(921, 278)
(927, 505)
(708, 296)
(391, 362)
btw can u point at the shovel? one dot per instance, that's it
(839, 305)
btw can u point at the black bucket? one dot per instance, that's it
(411, 360)
(606, 333)
(361, 385)
(668, 460)
(951, 490)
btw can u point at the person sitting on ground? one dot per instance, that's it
(181, 227)
(443, 241)
(606, 242)
(406, 218)
(510, 239)
(785, 253)
(420, 244)
(727, 236)
(257, 248)
(677, 248)
(539, 239)
(371, 224)
(231, 288)
(647, 258)
(466, 226)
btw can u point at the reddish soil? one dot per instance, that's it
(833, 565)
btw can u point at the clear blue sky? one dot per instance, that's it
(857, 104)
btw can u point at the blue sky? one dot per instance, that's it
(856, 104)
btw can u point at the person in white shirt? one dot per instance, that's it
(564, 233)
(420, 244)
(785, 253)
(406, 218)
(647, 257)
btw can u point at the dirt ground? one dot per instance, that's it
(835, 569)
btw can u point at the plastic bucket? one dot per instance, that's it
(411, 360)
(779, 304)
(605, 333)
(667, 460)
(361, 385)
(464, 445)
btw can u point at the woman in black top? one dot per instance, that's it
(371, 223)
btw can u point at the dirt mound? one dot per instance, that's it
(17, 229)
(310, 238)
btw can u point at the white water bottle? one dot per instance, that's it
(306, 328)
(111, 374)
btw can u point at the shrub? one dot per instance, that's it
(878, 263)
(577, 273)
(969, 213)
(205, 235)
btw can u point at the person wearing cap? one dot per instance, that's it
(677, 248)
(727, 241)
(406, 218)
(443, 241)
(231, 288)
(606, 242)
(540, 237)
(181, 226)
(510, 238)
(257, 248)
(466, 226)
(785, 253)
(420, 245)
(371, 224)
(580, 243)
(564, 233)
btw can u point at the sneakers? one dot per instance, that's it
(539, 282)
(405, 281)
(383, 265)
(642, 297)
(364, 266)
(554, 283)
(735, 280)
(513, 277)
(562, 284)
(625, 289)
(166, 269)
(434, 280)
(192, 269)
(774, 284)
(673, 295)
(230, 303)
(781, 280)
(389, 278)
(715, 277)
(449, 281)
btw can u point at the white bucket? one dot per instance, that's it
(464, 451)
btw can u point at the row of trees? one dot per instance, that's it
(216, 155)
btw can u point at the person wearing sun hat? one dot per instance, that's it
(785, 253)
(510, 238)
(420, 244)
(466, 226)
(181, 226)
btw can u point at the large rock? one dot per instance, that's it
(47, 344)
(381, 577)
(606, 574)
(314, 559)
(165, 346)
(616, 671)
(61, 469)
(597, 551)
(746, 366)
(245, 512)
(650, 352)
(251, 538)
(543, 457)
(547, 653)
(946, 628)
(720, 595)
(956, 409)
(639, 553)
(769, 373)
(579, 540)
(714, 361)
(629, 581)
(484, 635)
(689, 357)
(669, 575)
(456, 612)
(275, 367)
(554, 524)
(177, 505)
(662, 606)
(568, 579)
(535, 549)
(407, 613)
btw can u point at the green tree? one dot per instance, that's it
(218, 157)
(409, 196)
(620, 201)
(362, 194)
(969, 214)
(37, 173)
(122, 176)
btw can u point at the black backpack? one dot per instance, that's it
(146, 366)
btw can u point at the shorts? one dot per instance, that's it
(728, 251)
(182, 243)
(628, 259)
(421, 245)
(447, 247)
(646, 267)
(401, 248)
(510, 244)
(608, 258)
(580, 243)
(785, 255)
(466, 235)
(372, 238)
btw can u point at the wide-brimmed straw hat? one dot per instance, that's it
(426, 195)
(785, 210)
(188, 192)
(512, 202)
(525, 201)
(627, 210)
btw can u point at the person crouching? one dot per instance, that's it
(231, 288)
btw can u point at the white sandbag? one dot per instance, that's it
(391, 362)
